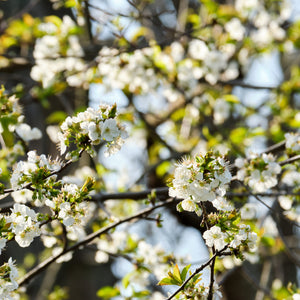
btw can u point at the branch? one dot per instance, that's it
(290, 160)
(212, 278)
(88, 21)
(275, 148)
(243, 84)
(160, 191)
(44, 264)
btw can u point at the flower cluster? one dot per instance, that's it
(267, 27)
(33, 171)
(8, 283)
(24, 224)
(26, 133)
(204, 178)
(12, 119)
(235, 237)
(90, 128)
(136, 71)
(143, 256)
(69, 205)
(58, 43)
(292, 142)
(201, 292)
(120, 242)
(259, 172)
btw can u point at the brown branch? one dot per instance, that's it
(44, 264)
(212, 277)
(87, 16)
(243, 84)
(290, 160)
(275, 148)
(160, 191)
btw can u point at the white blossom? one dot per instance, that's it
(221, 111)
(292, 141)
(22, 196)
(198, 50)
(261, 174)
(26, 133)
(235, 29)
(222, 204)
(24, 224)
(109, 130)
(248, 211)
(285, 202)
(190, 184)
(215, 237)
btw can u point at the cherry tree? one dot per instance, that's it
(170, 94)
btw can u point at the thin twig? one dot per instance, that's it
(212, 277)
(160, 191)
(290, 160)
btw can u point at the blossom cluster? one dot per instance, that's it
(136, 71)
(204, 178)
(24, 224)
(292, 142)
(145, 254)
(201, 292)
(90, 128)
(8, 283)
(60, 43)
(33, 171)
(259, 172)
(11, 116)
(266, 27)
(234, 237)
(69, 204)
(142, 255)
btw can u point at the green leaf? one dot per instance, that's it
(56, 117)
(163, 168)
(54, 19)
(126, 280)
(107, 292)
(184, 272)
(231, 98)
(179, 207)
(176, 273)
(70, 3)
(238, 135)
(166, 281)
(141, 294)
(268, 241)
(113, 111)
